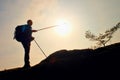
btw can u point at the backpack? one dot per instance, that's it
(19, 35)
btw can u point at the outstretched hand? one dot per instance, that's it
(34, 30)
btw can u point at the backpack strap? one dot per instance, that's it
(23, 28)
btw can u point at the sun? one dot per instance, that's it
(63, 28)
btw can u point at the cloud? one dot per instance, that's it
(11, 10)
(38, 9)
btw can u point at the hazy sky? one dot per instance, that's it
(80, 15)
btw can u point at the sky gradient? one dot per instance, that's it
(81, 15)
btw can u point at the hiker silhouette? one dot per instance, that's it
(26, 41)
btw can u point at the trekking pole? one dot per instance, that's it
(40, 48)
(49, 27)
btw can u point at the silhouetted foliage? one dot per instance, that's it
(102, 39)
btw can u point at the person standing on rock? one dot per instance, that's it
(25, 37)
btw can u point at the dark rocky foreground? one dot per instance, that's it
(99, 64)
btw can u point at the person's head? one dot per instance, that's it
(29, 22)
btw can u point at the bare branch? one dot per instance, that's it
(102, 39)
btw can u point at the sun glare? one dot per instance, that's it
(63, 28)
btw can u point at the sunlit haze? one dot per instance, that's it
(63, 28)
(72, 17)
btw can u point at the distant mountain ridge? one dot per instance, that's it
(84, 64)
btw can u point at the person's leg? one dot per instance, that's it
(26, 46)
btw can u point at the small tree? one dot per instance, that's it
(102, 39)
